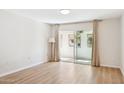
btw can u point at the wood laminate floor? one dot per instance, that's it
(66, 73)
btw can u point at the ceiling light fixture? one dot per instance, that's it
(64, 11)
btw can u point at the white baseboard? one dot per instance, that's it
(113, 66)
(19, 69)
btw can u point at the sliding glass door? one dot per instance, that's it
(66, 46)
(75, 46)
(83, 47)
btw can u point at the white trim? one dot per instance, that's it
(113, 66)
(19, 69)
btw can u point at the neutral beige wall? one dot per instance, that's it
(122, 44)
(109, 42)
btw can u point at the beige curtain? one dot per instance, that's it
(53, 48)
(95, 50)
(57, 43)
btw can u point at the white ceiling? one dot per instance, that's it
(53, 16)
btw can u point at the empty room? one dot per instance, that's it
(61, 46)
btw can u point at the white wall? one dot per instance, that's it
(23, 42)
(109, 42)
(122, 44)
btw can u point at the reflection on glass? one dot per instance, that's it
(83, 51)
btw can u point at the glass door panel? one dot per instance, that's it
(83, 47)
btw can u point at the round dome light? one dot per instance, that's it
(64, 11)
